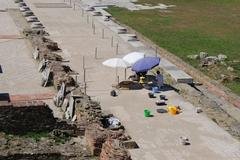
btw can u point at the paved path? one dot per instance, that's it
(158, 136)
(4, 4)
(19, 73)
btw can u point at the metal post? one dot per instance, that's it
(112, 42)
(117, 79)
(84, 81)
(117, 49)
(76, 79)
(102, 33)
(125, 73)
(94, 29)
(92, 23)
(82, 12)
(84, 75)
(85, 88)
(70, 2)
(87, 18)
(96, 53)
(83, 63)
(74, 6)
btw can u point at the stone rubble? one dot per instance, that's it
(30, 116)
(203, 55)
(49, 58)
(195, 56)
(231, 69)
(215, 66)
(96, 136)
(88, 110)
(207, 60)
(222, 57)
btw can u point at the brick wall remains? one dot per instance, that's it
(111, 150)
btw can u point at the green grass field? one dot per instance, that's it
(192, 26)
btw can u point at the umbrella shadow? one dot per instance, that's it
(131, 85)
(151, 82)
(151, 78)
(167, 87)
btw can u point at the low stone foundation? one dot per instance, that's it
(22, 117)
(30, 116)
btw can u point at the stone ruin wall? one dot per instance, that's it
(89, 113)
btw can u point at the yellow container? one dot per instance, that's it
(172, 110)
(142, 79)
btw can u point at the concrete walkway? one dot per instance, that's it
(7, 4)
(19, 75)
(157, 137)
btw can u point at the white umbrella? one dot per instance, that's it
(133, 57)
(116, 63)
